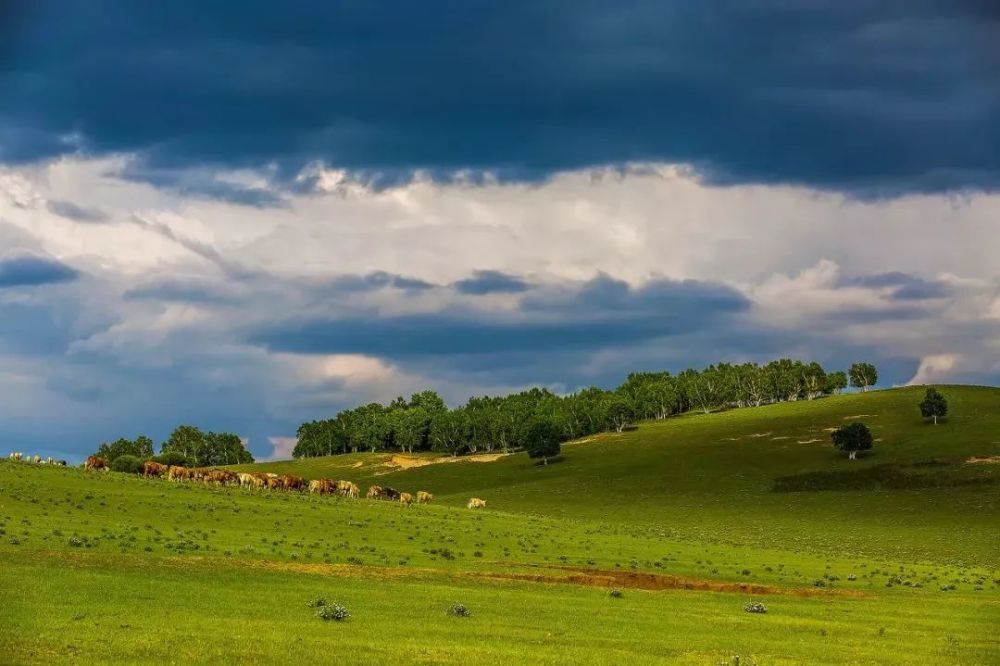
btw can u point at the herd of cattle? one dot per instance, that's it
(270, 481)
(37, 459)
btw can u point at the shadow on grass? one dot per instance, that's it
(885, 477)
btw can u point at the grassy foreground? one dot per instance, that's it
(888, 560)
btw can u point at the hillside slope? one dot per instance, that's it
(757, 476)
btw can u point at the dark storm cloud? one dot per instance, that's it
(29, 271)
(903, 286)
(72, 211)
(490, 282)
(598, 314)
(372, 281)
(866, 97)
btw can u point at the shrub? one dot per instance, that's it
(172, 458)
(616, 593)
(318, 602)
(755, 607)
(459, 610)
(332, 611)
(127, 464)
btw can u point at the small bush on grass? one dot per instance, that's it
(172, 458)
(318, 602)
(755, 607)
(616, 593)
(127, 464)
(332, 611)
(459, 610)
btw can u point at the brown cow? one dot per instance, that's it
(424, 497)
(177, 473)
(348, 489)
(476, 503)
(153, 468)
(290, 482)
(95, 462)
(323, 486)
(374, 492)
(406, 498)
(273, 482)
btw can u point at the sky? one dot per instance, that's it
(247, 215)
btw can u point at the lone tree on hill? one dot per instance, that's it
(863, 376)
(852, 438)
(934, 405)
(542, 440)
(836, 382)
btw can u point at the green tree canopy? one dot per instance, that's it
(933, 406)
(863, 376)
(141, 447)
(543, 439)
(852, 438)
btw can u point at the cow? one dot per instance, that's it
(153, 468)
(406, 498)
(37, 459)
(273, 482)
(322, 486)
(476, 503)
(290, 482)
(95, 462)
(246, 480)
(424, 497)
(348, 489)
(177, 473)
(260, 481)
(390, 493)
(374, 492)
(223, 477)
(61, 463)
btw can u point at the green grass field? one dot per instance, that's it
(890, 559)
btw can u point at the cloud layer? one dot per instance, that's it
(171, 308)
(874, 98)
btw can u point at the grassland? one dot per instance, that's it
(891, 559)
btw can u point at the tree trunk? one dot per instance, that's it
(935, 419)
(852, 455)
(545, 460)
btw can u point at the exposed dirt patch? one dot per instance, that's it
(761, 434)
(398, 462)
(774, 439)
(984, 460)
(552, 574)
(809, 441)
(860, 416)
(650, 581)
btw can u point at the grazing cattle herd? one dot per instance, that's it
(36, 459)
(257, 480)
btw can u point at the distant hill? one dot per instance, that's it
(754, 475)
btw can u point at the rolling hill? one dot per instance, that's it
(890, 559)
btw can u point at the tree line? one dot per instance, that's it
(538, 419)
(187, 446)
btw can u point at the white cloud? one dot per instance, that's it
(282, 447)
(935, 368)
(792, 251)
